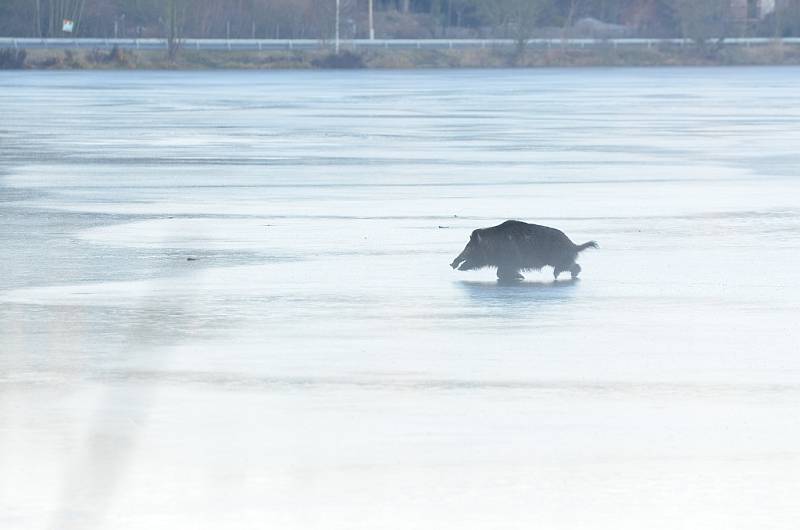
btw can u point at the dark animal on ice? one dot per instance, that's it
(515, 246)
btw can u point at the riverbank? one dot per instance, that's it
(54, 59)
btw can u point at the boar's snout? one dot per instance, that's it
(461, 258)
(465, 260)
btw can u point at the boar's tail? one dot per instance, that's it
(588, 244)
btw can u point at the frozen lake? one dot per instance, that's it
(225, 300)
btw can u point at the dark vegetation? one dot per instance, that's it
(12, 59)
(474, 58)
(346, 59)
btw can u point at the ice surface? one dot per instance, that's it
(225, 300)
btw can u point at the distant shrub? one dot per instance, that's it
(96, 56)
(345, 60)
(119, 56)
(73, 60)
(116, 56)
(12, 59)
(54, 62)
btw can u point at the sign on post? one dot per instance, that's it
(68, 25)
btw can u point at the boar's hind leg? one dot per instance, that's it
(574, 270)
(507, 274)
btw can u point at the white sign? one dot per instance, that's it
(68, 25)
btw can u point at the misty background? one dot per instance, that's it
(314, 19)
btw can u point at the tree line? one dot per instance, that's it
(314, 19)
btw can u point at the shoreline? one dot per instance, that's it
(119, 59)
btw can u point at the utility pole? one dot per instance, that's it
(337, 27)
(371, 23)
(37, 24)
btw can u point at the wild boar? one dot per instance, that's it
(514, 246)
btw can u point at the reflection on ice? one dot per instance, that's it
(512, 294)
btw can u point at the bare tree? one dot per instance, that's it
(174, 19)
(519, 18)
(568, 20)
(704, 21)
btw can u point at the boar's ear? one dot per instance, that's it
(477, 236)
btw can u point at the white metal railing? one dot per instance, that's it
(309, 44)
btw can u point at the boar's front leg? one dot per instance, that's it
(509, 274)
